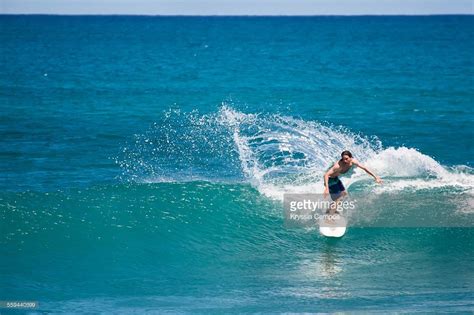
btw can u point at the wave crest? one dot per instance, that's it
(275, 153)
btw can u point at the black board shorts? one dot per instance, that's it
(335, 187)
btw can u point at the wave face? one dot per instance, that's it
(202, 246)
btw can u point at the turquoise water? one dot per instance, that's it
(144, 161)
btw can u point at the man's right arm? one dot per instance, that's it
(326, 179)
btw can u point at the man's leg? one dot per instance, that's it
(333, 206)
(338, 192)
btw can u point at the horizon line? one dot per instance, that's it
(241, 15)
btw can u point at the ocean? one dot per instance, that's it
(145, 159)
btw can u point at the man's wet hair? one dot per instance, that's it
(349, 154)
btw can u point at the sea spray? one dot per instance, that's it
(276, 154)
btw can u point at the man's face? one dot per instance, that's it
(346, 159)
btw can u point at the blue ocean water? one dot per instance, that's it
(144, 160)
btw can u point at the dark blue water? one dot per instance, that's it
(144, 159)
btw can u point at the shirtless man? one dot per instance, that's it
(333, 184)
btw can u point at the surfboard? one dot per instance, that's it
(334, 226)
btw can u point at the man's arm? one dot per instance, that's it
(377, 179)
(326, 180)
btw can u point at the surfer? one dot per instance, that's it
(333, 184)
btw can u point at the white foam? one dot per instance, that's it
(282, 154)
(277, 155)
(409, 169)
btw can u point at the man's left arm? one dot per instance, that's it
(377, 179)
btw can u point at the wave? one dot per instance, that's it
(276, 154)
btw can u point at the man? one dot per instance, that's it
(333, 184)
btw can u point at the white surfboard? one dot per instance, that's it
(332, 226)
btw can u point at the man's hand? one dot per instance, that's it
(378, 180)
(326, 192)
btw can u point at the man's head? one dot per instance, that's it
(346, 156)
